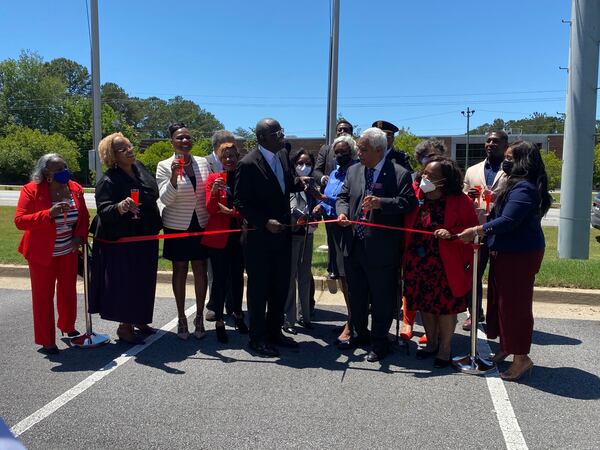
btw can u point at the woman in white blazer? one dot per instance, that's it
(183, 208)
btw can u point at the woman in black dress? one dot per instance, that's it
(123, 276)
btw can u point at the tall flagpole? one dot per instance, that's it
(96, 102)
(333, 72)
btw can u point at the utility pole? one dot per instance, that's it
(580, 121)
(468, 113)
(96, 106)
(333, 72)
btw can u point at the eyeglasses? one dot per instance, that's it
(279, 133)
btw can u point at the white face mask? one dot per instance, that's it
(303, 170)
(426, 186)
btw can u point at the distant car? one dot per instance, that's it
(596, 211)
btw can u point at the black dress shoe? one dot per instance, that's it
(210, 316)
(240, 325)
(284, 341)
(441, 363)
(289, 330)
(421, 353)
(264, 350)
(353, 343)
(374, 356)
(221, 334)
(49, 350)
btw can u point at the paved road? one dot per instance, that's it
(198, 394)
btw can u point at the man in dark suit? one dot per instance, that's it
(262, 194)
(396, 156)
(326, 157)
(377, 191)
(214, 165)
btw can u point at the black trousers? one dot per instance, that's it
(379, 285)
(268, 265)
(227, 276)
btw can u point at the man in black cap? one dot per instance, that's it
(326, 158)
(396, 156)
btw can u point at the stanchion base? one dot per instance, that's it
(90, 340)
(473, 365)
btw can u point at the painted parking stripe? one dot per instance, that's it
(72, 393)
(509, 425)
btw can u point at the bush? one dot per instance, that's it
(406, 141)
(163, 150)
(553, 168)
(596, 181)
(21, 147)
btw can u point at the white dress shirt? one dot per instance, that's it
(275, 166)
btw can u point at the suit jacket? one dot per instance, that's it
(33, 216)
(325, 163)
(259, 197)
(216, 219)
(400, 158)
(475, 176)
(114, 186)
(177, 205)
(394, 187)
(457, 258)
(212, 164)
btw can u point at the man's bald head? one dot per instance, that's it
(269, 134)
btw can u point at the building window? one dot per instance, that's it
(476, 153)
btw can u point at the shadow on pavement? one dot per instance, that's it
(75, 359)
(543, 338)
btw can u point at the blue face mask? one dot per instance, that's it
(62, 177)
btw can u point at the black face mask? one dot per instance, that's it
(507, 166)
(343, 159)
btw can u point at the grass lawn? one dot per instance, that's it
(554, 272)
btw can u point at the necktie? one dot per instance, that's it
(278, 171)
(360, 229)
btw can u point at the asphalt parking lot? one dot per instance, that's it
(200, 394)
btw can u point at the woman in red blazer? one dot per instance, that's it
(225, 249)
(437, 268)
(52, 212)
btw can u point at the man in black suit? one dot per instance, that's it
(326, 157)
(377, 191)
(396, 156)
(262, 194)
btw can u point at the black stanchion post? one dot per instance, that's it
(89, 339)
(472, 363)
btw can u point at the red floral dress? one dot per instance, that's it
(425, 284)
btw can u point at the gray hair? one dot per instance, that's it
(221, 136)
(348, 140)
(375, 137)
(41, 166)
(428, 146)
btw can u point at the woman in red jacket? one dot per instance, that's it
(437, 268)
(52, 212)
(225, 250)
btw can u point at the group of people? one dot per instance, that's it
(260, 212)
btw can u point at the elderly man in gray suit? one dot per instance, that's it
(214, 165)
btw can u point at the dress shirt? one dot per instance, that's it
(377, 168)
(275, 165)
(490, 170)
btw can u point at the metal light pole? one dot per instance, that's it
(578, 153)
(96, 105)
(333, 72)
(468, 113)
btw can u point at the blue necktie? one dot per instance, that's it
(360, 229)
(278, 171)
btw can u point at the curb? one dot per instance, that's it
(589, 297)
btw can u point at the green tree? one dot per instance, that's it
(406, 141)
(130, 108)
(163, 149)
(29, 97)
(596, 180)
(75, 76)
(553, 168)
(536, 123)
(21, 147)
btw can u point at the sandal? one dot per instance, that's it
(182, 329)
(199, 332)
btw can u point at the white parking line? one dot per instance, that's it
(72, 393)
(513, 436)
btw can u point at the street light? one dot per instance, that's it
(468, 113)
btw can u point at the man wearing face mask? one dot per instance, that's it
(263, 185)
(482, 182)
(326, 157)
(376, 191)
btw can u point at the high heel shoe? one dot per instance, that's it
(508, 376)
(406, 333)
(71, 334)
(182, 329)
(498, 357)
(199, 332)
(126, 334)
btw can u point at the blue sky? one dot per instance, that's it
(415, 63)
